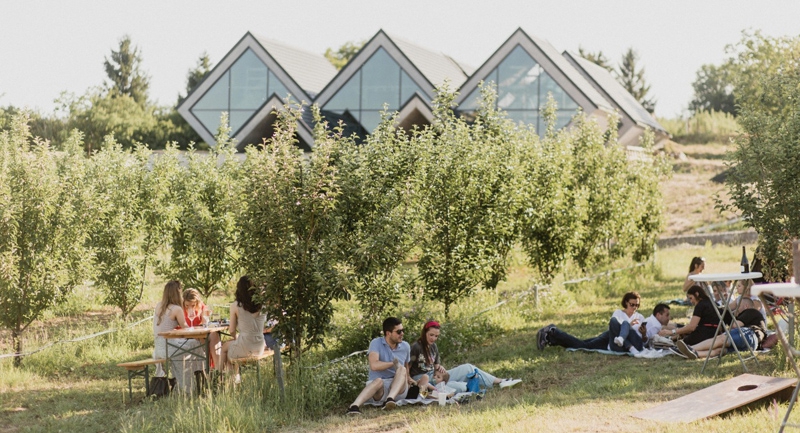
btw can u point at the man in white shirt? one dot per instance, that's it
(657, 324)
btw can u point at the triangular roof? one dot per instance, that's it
(300, 72)
(605, 83)
(551, 61)
(425, 67)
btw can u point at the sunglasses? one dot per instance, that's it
(400, 331)
(631, 304)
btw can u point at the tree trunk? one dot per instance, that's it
(16, 339)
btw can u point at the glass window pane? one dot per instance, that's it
(370, 120)
(248, 82)
(238, 119)
(563, 100)
(276, 87)
(380, 83)
(347, 97)
(216, 98)
(407, 88)
(517, 78)
(209, 119)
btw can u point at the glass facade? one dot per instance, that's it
(380, 81)
(522, 90)
(241, 91)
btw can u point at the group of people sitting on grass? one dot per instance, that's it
(395, 367)
(628, 330)
(185, 309)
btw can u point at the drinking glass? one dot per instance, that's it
(206, 316)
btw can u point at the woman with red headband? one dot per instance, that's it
(425, 360)
(425, 363)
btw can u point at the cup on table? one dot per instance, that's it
(442, 398)
(206, 316)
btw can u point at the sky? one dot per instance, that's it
(55, 46)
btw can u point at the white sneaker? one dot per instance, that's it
(619, 341)
(509, 382)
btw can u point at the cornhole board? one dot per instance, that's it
(717, 399)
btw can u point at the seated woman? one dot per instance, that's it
(749, 334)
(743, 288)
(248, 319)
(704, 321)
(197, 313)
(425, 360)
(623, 326)
(167, 316)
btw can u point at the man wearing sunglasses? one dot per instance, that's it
(388, 369)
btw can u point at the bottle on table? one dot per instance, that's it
(745, 265)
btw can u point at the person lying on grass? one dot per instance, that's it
(388, 369)
(619, 331)
(426, 365)
(750, 332)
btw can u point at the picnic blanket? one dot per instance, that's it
(459, 397)
(646, 353)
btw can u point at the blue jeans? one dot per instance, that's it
(460, 373)
(630, 339)
(558, 337)
(739, 335)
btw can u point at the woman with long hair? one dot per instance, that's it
(697, 265)
(425, 360)
(167, 316)
(197, 313)
(247, 318)
(704, 321)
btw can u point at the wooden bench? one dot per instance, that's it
(139, 369)
(255, 359)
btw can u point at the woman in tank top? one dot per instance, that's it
(246, 326)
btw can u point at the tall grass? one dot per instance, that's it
(702, 127)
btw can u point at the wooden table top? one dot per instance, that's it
(195, 332)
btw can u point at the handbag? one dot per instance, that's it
(161, 386)
(474, 380)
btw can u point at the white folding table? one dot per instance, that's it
(783, 290)
(726, 308)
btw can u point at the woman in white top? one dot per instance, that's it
(167, 316)
(624, 327)
(248, 319)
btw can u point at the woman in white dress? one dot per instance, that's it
(167, 316)
(246, 326)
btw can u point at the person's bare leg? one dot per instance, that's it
(214, 347)
(223, 357)
(422, 383)
(398, 383)
(374, 390)
(704, 345)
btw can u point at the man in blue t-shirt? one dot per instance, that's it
(388, 369)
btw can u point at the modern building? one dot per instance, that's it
(254, 79)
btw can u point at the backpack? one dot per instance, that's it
(474, 381)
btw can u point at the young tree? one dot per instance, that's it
(204, 241)
(125, 76)
(43, 199)
(290, 233)
(340, 57)
(469, 200)
(377, 208)
(550, 214)
(136, 208)
(631, 76)
(761, 181)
